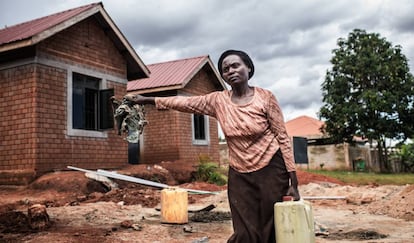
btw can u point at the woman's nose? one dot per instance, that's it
(231, 70)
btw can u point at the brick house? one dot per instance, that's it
(56, 75)
(324, 154)
(172, 135)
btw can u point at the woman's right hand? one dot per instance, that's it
(132, 97)
(139, 99)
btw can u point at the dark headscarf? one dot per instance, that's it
(245, 58)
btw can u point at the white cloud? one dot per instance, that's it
(290, 42)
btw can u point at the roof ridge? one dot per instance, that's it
(298, 117)
(50, 15)
(308, 118)
(179, 60)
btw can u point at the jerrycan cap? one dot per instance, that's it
(287, 198)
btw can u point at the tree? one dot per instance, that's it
(369, 92)
(405, 156)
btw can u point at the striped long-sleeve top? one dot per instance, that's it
(253, 131)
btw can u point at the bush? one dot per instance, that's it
(407, 157)
(210, 172)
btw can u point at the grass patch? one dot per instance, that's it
(210, 172)
(365, 178)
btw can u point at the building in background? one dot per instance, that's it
(324, 155)
(172, 135)
(56, 76)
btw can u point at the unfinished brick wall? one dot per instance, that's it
(17, 124)
(160, 139)
(201, 84)
(168, 136)
(33, 105)
(55, 149)
(85, 43)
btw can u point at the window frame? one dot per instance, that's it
(196, 141)
(99, 133)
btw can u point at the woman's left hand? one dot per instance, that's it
(293, 188)
(293, 192)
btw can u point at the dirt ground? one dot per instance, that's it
(81, 209)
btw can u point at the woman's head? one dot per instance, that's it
(243, 56)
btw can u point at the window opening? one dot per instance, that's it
(90, 105)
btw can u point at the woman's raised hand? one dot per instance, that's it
(139, 99)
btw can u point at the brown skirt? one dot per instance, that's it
(252, 197)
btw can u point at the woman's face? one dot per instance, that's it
(234, 70)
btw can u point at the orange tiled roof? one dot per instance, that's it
(171, 75)
(304, 126)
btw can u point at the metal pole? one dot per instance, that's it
(131, 178)
(146, 182)
(80, 169)
(136, 180)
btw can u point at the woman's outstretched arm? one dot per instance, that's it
(139, 99)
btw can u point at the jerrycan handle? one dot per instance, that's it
(309, 220)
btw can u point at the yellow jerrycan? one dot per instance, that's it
(174, 206)
(294, 221)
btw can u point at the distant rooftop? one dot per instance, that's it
(304, 126)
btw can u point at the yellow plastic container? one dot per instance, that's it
(294, 222)
(174, 206)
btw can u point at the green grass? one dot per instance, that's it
(210, 172)
(365, 178)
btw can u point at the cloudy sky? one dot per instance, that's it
(290, 42)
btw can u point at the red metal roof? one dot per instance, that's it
(172, 74)
(28, 29)
(32, 32)
(304, 126)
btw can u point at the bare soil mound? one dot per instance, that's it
(71, 188)
(305, 177)
(85, 210)
(397, 204)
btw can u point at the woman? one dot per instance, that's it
(261, 163)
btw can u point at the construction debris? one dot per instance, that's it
(129, 224)
(37, 217)
(109, 184)
(118, 176)
(195, 208)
